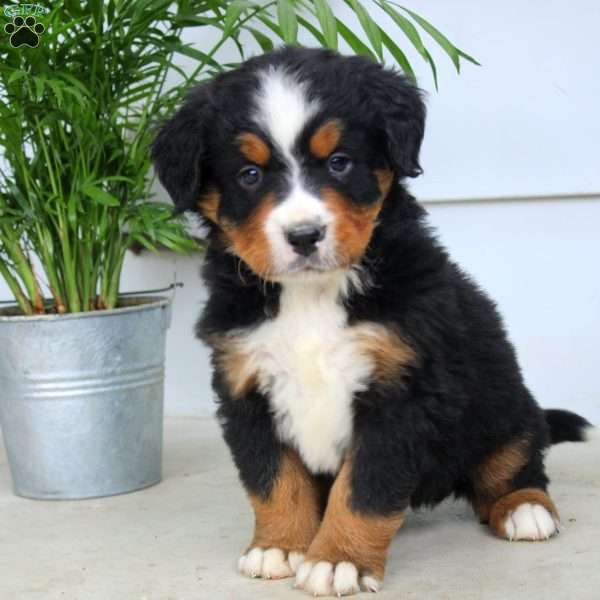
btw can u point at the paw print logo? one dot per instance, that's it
(24, 32)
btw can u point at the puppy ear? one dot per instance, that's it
(401, 116)
(180, 146)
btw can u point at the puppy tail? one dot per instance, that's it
(566, 426)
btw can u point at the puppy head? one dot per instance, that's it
(291, 156)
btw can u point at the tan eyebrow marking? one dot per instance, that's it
(325, 140)
(254, 148)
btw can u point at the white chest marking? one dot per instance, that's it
(310, 366)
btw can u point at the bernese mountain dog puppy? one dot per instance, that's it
(359, 371)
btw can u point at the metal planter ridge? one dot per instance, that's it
(81, 399)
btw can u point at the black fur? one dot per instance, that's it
(566, 426)
(421, 438)
(180, 147)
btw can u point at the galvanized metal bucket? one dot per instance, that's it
(81, 399)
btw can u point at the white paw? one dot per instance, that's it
(269, 564)
(530, 522)
(368, 583)
(326, 579)
(295, 559)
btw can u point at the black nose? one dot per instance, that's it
(304, 238)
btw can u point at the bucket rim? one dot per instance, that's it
(139, 303)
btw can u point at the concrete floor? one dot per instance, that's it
(180, 540)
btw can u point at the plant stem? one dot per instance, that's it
(48, 262)
(25, 271)
(16, 290)
(113, 291)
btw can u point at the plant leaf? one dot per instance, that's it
(16, 75)
(187, 50)
(407, 27)
(369, 26)
(313, 30)
(39, 87)
(264, 41)
(99, 196)
(398, 55)
(468, 57)
(190, 20)
(234, 10)
(288, 22)
(433, 69)
(353, 41)
(412, 34)
(449, 48)
(327, 21)
(144, 241)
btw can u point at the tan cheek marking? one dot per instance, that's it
(289, 518)
(249, 240)
(208, 205)
(354, 224)
(325, 140)
(389, 353)
(254, 149)
(236, 365)
(506, 505)
(385, 178)
(346, 535)
(493, 478)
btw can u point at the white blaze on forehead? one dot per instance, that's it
(283, 107)
(282, 110)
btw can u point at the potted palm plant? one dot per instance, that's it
(81, 85)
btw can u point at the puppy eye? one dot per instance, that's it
(339, 164)
(249, 177)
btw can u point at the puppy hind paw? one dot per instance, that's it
(368, 583)
(530, 522)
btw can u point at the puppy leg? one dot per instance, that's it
(350, 549)
(285, 498)
(285, 522)
(510, 494)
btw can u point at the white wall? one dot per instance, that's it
(524, 124)
(527, 122)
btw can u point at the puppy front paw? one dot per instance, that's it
(271, 563)
(324, 578)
